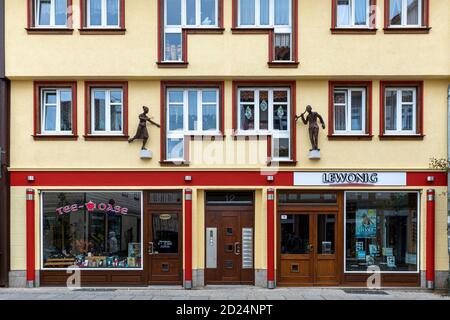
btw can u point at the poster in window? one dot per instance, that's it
(390, 261)
(366, 223)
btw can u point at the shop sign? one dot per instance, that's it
(349, 178)
(91, 206)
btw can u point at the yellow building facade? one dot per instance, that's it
(229, 189)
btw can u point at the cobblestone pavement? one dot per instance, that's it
(219, 293)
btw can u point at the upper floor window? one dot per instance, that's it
(50, 13)
(352, 13)
(349, 110)
(103, 13)
(405, 13)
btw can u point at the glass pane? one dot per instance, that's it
(391, 110)
(192, 110)
(340, 102)
(282, 47)
(280, 96)
(281, 148)
(116, 96)
(50, 118)
(175, 148)
(247, 12)
(175, 117)
(165, 232)
(280, 117)
(99, 109)
(395, 12)
(381, 229)
(407, 95)
(282, 12)
(112, 10)
(50, 97)
(173, 12)
(44, 12)
(247, 117)
(413, 12)
(95, 14)
(247, 96)
(91, 230)
(360, 12)
(356, 109)
(173, 48)
(190, 12)
(175, 96)
(295, 234)
(208, 13)
(209, 96)
(264, 12)
(343, 12)
(116, 118)
(66, 110)
(407, 117)
(209, 117)
(307, 198)
(325, 233)
(263, 110)
(61, 12)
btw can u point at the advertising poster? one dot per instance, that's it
(366, 223)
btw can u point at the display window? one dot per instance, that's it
(381, 229)
(91, 230)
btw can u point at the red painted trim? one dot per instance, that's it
(38, 85)
(425, 16)
(176, 178)
(419, 85)
(270, 235)
(30, 227)
(430, 236)
(122, 14)
(188, 235)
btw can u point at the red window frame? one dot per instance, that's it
(350, 84)
(293, 98)
(88, 86)
(31, 21)
(425, 28)
(165, 85)
(84, 29)
(372, 29)
(185, 32)
(270, 32)
(419, 112)
(38, 86)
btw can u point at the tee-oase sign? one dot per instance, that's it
(349, 178)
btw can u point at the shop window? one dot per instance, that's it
(49, 16)
(406, 14)
(106, 15)
(91, 230)
(55, 110)
(381, 229)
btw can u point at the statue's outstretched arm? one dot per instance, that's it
(153, 123)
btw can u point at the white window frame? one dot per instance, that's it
(399, 111)
(43, 112)
(275, 133)
(404, 16)
(352, 16)
(181, 133)
(348, 108)
(108, 105)
(104, 18)
(52, 16)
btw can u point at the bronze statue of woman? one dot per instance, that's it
(142, 132)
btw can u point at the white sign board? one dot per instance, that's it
(349, 178)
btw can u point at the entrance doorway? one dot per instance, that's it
(309, 243)
(163, 230)
(229, 234)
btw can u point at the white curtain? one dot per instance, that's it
(247, 12)
(282, 12)
(343, 13)
(360, 12)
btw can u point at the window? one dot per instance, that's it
(190, 111)
(55, 109)
(267, 111)
(182, 14)
(402, 110)
(107, 109)
(106, 15)
(92, 230)
(406, 14)
(352, 13)
(381, 229)
(47, 16)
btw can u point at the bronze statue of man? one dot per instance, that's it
(142, 132)
(311, 118)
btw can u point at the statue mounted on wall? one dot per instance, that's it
(311, 119)
(142, 132)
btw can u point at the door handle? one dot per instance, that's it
(310, 248)
(151, 248)
(237, 248)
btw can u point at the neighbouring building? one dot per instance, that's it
(228, 191)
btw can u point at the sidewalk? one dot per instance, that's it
(219, 293)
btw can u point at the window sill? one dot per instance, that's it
(50, 137)
(92, 137)
(180, 64)
(68, 31)
(238, 30)
(403, 30)
(204, 30)
(401, 137)
(350, 137)
(168, 163)
(282, 64)
(256, 136)
(206, 136)
(353, 30)
(282, 163)
(103, 31)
